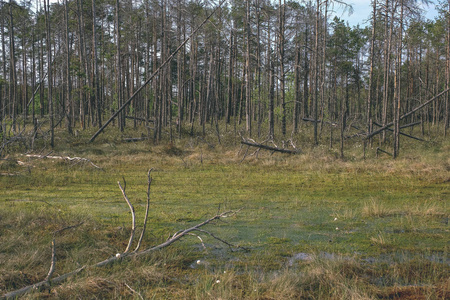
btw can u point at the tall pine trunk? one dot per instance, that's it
(397, 102)
(96, 83)
(68, 102)
(49, 72)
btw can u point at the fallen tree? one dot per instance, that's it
(401, 133)
(385, 127)
(66, 158)
(49, 281)
(270, 148)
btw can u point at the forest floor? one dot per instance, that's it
(315, 226)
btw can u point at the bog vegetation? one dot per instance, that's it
(315, 226)
(330, 141)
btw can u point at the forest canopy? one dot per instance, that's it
(261, 66)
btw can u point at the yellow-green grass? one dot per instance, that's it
(317, 227)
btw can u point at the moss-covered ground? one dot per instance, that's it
(316, 226)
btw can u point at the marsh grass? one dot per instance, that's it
(365, 229)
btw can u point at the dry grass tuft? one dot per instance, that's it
(91, 288)
(172, 150)
(375, 208)
(286, 285)
(380, 240)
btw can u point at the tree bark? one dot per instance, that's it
(281, 41)
(316, 72)
(119, 92)
(397, 102)
(49, 72)
(95, 69)
(248, 100)
(372, 58)
(68, 100)
(12, 77)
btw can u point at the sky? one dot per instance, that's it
(362, 10)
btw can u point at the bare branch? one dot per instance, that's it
(67, 158)
(67, 228)
(177, 236)
(149, 183)
(182, 233)
(52, 265)
(134, 291)
(133, 218)
(223, 241)
(203, 244)
(24, 290)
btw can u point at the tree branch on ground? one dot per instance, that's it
(67, 158)
(175, 237)
(265, 147)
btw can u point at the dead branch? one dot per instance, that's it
(401, 133)
(139, 119)
(174, 238)
(410, 125)
(223, 241)
(149, 183)
(52, 265)
(291, 142)
(16, 138)
(67, 228)
(177, 236)
(24, 290)
(130, 140)
(201, 240)
(134, 291)
(383, 151)
(320, 121)
(368, 136)
(67, 158)
(185, 232)
(133, 218)
(245, 154)
(265, 147)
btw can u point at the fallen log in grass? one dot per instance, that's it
(270, 148)
(66, 158)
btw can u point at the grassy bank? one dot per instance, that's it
(317, 227)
